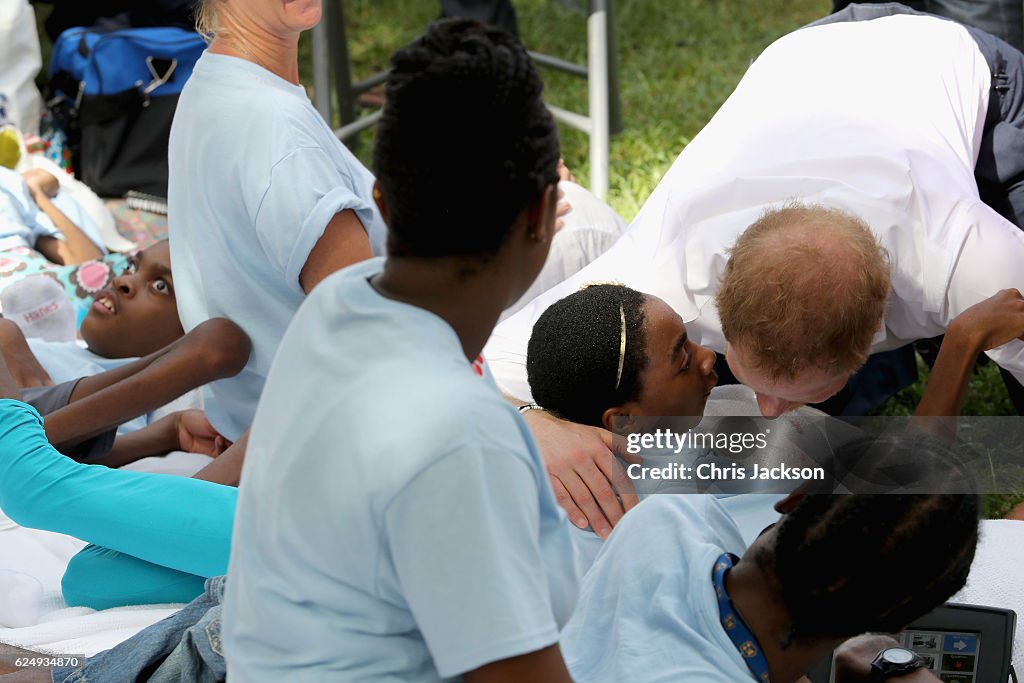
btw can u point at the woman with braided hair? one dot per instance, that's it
(395, 521)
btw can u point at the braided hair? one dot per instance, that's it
(572, 359)
(848, 564)
(465, 142)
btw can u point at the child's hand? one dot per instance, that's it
(41, 183)
(197, 435)
(993, 322)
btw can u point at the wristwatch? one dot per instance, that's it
(894, 661)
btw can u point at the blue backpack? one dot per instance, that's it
(114, 91)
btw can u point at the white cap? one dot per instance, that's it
(39, 306)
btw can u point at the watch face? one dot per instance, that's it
(897, 655)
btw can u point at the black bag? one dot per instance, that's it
(114, 92)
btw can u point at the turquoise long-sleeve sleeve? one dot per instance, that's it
(177, 523)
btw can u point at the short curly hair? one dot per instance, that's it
(572, 359)
(805, 288)
(465, 142)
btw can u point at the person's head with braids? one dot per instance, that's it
(609, 351)
(835, 566)
(466, 152)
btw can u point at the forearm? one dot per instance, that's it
(215, 350)
(144, 392)
(8, 389)
(76, 246)
(947, 386)
(12, 341)
(158, 438)
(944, 395)
(18, 355)
(87, 386)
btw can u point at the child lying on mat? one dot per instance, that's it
(82, 414)
(33, 214)
(137, 359)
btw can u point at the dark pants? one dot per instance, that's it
(500, 13)
(1001, 18)
(999, 171)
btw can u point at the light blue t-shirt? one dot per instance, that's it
(395, 521)
(255, 177)
(22, 223)
(647, 609)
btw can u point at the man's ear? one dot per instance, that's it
(378, 199)
(540, 218)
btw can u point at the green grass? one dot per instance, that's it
(678, 61)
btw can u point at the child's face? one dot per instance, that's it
(679, 373)
(137, 314)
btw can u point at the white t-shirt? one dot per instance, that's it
(395, 521)
(647, 609)
(882, 118)
(21, 221)
(255, 177)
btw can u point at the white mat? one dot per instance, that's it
(45, 555)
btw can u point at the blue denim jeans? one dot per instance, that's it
(185, 647)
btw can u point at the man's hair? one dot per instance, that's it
(805, 288)
(848, 564)
(572, 359)
(465, 142)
